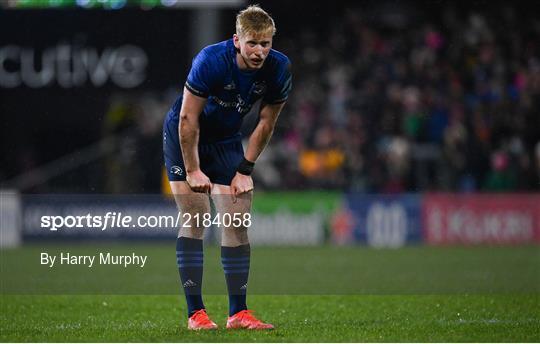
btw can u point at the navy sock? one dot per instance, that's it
(189, 256)
(235, 262)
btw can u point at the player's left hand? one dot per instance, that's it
(240, 184)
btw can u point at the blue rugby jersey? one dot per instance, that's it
(231, 92)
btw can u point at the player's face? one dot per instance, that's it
(254, 48)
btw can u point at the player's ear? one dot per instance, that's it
(236, 41)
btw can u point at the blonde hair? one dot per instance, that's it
(254, 20)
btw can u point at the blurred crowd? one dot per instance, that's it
(451, 104)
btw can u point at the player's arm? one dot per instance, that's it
(188, 129)
(263, 131)
(242, 182)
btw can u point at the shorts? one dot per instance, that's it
(219, 161)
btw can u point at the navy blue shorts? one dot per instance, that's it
(218, 161)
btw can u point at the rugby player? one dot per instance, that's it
(205, 158)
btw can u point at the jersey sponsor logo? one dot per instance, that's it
(240, 105)
(177, 170)
(224, 103)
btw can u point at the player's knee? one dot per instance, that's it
(193, 233)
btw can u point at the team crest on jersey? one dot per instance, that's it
(177, 170)
(259, 88)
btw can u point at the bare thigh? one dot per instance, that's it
(235, 234)
(192, 203)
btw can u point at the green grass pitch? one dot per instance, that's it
(320, 294)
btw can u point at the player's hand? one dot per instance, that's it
(199, 182)
(240, 184)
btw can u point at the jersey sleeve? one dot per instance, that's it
(279, 89)
(201, 77)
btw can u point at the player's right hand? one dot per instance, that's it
(199, 182)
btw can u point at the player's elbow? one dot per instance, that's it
(187, 119)
(184, 117)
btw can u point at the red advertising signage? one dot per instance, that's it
(481, 219)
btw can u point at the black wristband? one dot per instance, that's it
(245, 167)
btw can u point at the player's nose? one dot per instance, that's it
(259, 51)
